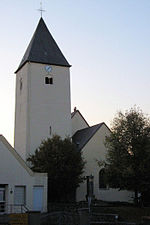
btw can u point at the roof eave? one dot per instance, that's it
(46, 63)
(101, 124)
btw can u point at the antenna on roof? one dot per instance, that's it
(41, 10)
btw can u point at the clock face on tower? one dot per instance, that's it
(48, 68)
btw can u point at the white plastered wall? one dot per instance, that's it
(78, 122)
(21, 111)
(96, 150)
(45, 106)
(14, 172)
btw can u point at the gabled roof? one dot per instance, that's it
(73, 113)
(43, 49)
(18, 157)
(77, 111)
(81, 137)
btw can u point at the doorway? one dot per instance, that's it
(38, 198)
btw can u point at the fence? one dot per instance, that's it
(60, 218)
(12, 208)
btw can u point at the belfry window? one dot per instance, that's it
(48, 80)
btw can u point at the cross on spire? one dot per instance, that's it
(41, 10)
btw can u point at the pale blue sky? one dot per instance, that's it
(107, 42)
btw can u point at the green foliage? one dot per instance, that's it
(64, 165)
(128, 156)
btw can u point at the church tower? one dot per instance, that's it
(43, 105)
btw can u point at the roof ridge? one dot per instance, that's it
(91, 126)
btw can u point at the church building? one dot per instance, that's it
(43, 105)
(43, 108)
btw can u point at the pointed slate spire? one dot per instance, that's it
(43, 49)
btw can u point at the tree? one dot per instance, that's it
(64, 165)
(127, 162)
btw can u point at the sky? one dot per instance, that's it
(107, 42)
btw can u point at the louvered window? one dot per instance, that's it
(19, 195)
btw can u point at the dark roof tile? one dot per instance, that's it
(81, 137)
(43, 49)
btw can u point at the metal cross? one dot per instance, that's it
(41, 9)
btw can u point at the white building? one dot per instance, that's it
(20, 188)
(43, 108)
(90, 140)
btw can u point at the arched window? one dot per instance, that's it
(102, 179)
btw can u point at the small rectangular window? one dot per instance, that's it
(48, 80)
(51, 80)
(50, 130)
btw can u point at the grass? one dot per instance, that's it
(126, 213)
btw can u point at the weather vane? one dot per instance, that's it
(41, 9)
